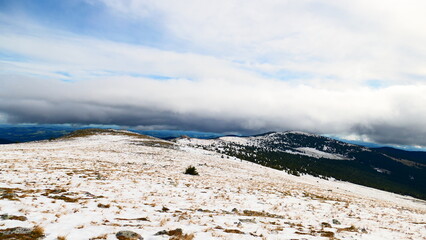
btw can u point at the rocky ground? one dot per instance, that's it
(117, 186)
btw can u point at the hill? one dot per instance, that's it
(303, 153)
(98, 184)
(415, 156)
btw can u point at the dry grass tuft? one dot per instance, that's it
(100, 205)
(183, 237)
(103, 236)
(348, 229)
(233, 231)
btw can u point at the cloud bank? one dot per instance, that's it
(343, 68)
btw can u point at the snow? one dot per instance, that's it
(382, 170)
(302, 133)
(138, 180)
(312, 152)
(237, 140)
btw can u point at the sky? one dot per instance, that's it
(352, 69)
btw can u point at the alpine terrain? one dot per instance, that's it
(303, 153)
(111, 184)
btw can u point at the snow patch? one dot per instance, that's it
(312, 152)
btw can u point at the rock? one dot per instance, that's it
(128, 235)
(162, 232)
(13, 217)
(176, 232)
(336, 222)
(22, 233)
(9, 196)
(18, 231)
(247, 220)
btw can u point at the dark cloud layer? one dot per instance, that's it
(32, 100)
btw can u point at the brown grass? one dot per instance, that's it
(100, 205)
(259, 214)
(327, 234)
(103, 236)
(130, 219)
(233, 231)
(183, 237)
(348, 229)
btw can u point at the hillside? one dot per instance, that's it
(303, 153)
(415, 156)
(92, 185)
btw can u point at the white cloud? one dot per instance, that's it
(351, 41)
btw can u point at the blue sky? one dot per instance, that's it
(350, 69)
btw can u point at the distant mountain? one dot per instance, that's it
(5, 141)
(28, 133)
(303, 153)
(415, 156)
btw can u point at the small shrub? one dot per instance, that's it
(191, 170)
(38, 231)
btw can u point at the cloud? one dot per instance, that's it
(220, 106)
(341, 68)
(348, 41)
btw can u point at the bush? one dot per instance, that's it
(191, 170)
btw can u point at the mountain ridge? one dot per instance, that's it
(304, 153)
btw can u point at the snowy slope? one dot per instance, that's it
(94, 186)
(284, 142)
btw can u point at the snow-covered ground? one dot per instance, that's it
(312, 152)
(258, 141)
(95, 186)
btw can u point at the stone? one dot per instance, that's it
(128, 235)
(336, 222)
(13, 217)
(162, 232)
(18, 230)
